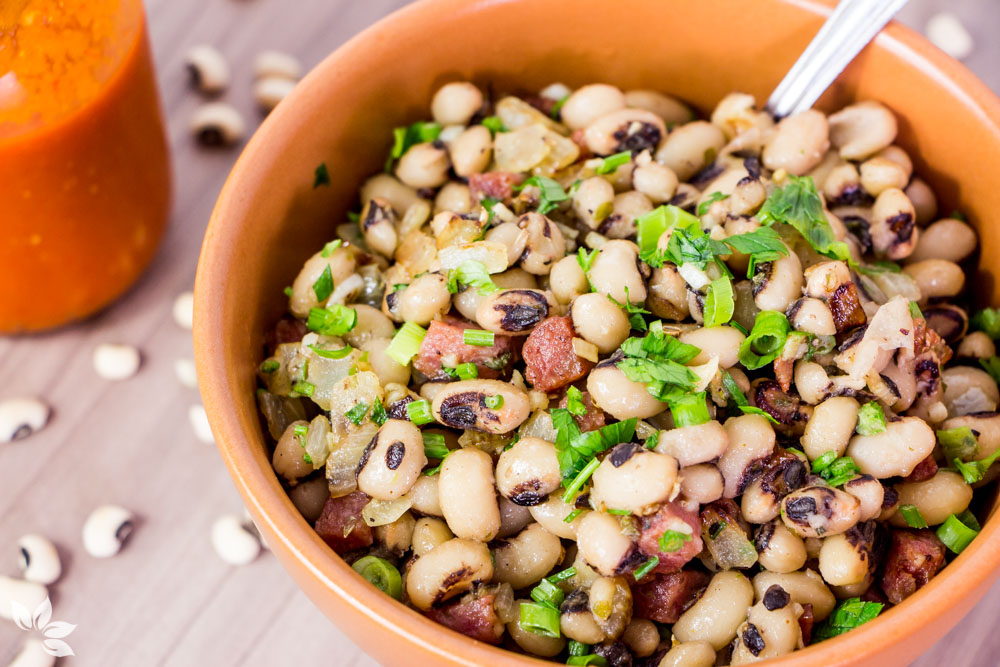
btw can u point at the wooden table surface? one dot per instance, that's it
(167, 599)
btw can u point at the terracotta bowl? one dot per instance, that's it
(269, 219)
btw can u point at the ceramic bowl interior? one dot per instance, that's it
(270, 218)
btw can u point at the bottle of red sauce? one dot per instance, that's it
(84, 169)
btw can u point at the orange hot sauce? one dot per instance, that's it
(84, 169)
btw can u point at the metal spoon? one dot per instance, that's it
(851, 25)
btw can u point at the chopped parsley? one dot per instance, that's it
(991, 366)
(707, 204)
(550, 192)
(610, 164)
(574, 401)
(493, 124)
(404, 138)
(987, 320)
(871, 419)
(321, 176)
(848, 615)
(335, 320)
(379, 415)
(633, 312)
(577, 451)
(673, 540)
(323, 287)
(657, 361)
(357, 413)
(799, 205)
(471, 273)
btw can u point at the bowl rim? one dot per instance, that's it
(964, 577)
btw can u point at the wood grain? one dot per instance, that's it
(167, 599)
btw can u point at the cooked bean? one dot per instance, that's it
(577, 622)
(880, 173)
(641, 637)
(668, 293)
(626, 208)
(371, 323)
(818, 511)
(718, 613)
(701, 483)
(378, 224)
(830, 427)
(385, 186)
(633, 478)
(779, 549)
(691, 147)
(804, 587)
(388, 369)
(869, 492)
(447, 570)
(968, 390)
(943, 494)
(424, 166)
(986, 425)
(567, 281)
(288, 459)
(524, 559)
(735, 113)
(611, 604)
(811, 381)
(544, 244)
(392, 461)
(528, 472)
(532, 642)
(620, 397)
(656, 181)
(208, 68)
(842, 184)
(513, 518)
(798, 143)
(632, 130)
(844, 559)
(513, 311)
(689, 654)
(895, 451)
(893, 226)
(217, 124)
(977, 345)
(862, 129)
(456, 198)
(456, 103)
(936, 278)
(341, 264)
(603, 545)
(468, 499)
(722, 342)
(923, 199)
(470, 152)
(397, 536)
(671, 110)
(421, 301)
(593, 201)
(309, 498)
(691, 445)
(467, 301)
(812, 316)
(429, 533)
(777, 284)
(615, 271)
(772, 629)
(550, 515)
(599, 321)
(751, 439)
(588, 103)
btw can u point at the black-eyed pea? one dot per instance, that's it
(771, 630)
(524, 559)
(309, 498)
(936, 278)
(577, 622)
(421, 301)
(812, 316)
(593, 201)
(105, 531)
(947, 320)
(456, 103)
(949, 239)
(611, 604)
(599, 321)
(387, 368)
(341, 263)
(880, 173)
(510, 235)
(777, 284)
(217, 124)
(968, 390)
(778, 549)
(715, 617)
(633, 478)
(641, 637)
(397, 536)
(532, 642)
(467, 301)
(567, 281)
(831, 426)
(893, 225)
(386, 186)
(38, 559)
(701, 483)
(514, 311)
(470, 152)
(842, 184)
(615, 270)
(552, 513)
(429, 533)
(392, 462)
(656, 181)
(378, 225)
(895, 451)
(455, 197)
(208, 68)
(804, 587)
(735, 113)
(370, 323)
(811, 381)
(869, 492)
(691, 445)
(620, 397)
(626, 208)
(671, 110)
(588, 103)
(447, 570)
(722, 342)
(862, 129)
(667, 294)
(603, 544)
(467, 494)
(819, 511)
(544, 244)
(528, 472)
(632, 130)
(923, 200)
(513, 518)
(424, 166)
(288, 459)
(798, 143)
(751, 439)
(690, 147)
(689, 654)
(844, 560)
(936, 498)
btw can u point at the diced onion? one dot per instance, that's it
(383, 512)
(342, 462)
(491, 254)
(585, 350)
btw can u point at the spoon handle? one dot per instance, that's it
(851, 25)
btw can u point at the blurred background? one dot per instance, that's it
(168, 598)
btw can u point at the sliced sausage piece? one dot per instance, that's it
(670, 516)
(473, 616)
(924, 470)
(593, 419)
(549, 357)
(341, 526)
(443, 345)
(914, 558)
(287, 330)
(664, 597)
(495, 184)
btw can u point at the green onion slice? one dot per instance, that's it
(382, 574)
(406, 343)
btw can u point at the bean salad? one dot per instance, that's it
(596, 380)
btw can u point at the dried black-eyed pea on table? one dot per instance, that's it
(28, 594)
(116, 361)
(38, 559)
(217, 124)
(106, 530)
(233, 542)
(20, 417)
(208, 68)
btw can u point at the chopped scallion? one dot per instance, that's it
(419, 412)
(478, 337)
(766, 339)
(494, 402)
(357, 413)
(406, 343)
(871, 419)
(540, 619)
(912, 516)
(335, 320)
(611, 163)
(382, 574)
(955, 534)
(645, 568)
